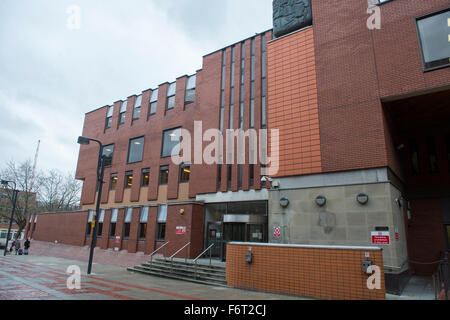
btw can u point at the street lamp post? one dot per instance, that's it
(15, 193)
(100, 172)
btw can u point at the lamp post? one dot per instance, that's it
(15, 193)
(100, 172)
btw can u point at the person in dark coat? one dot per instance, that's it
(26, 246)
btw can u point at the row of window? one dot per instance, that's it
(185, 172)
(153, 102)
(241, 83)
(170, 146)
(143, 223)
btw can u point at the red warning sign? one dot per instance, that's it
(381, 238)
(277, 232)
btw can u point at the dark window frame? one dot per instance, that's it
(184, 166)
(161, 169)
(163, 155)
(130, 144)
(424, 64)
(128, 174)
(108, 160)
(111, 184)
(143, 179)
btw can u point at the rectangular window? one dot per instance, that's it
(161, 227)
(145, 177)
(190, 90)
(229, 177)
(164, 175)
(108, 152)
(100, 223)
(128, 179)
(219, 176)
(109, 116)
(185, 172)
(112, 227)
(414, 156)
(171, 142)
(136, 150)
(113, 183)
(137, 108)
(263, 82)
(127, 223)
(153, 102)
(435, 39)
(447, 143)
(240, 176)
(143, 223)
(89, 224)
(171, 90)
(252, 86)
(432, 155)
(123, 111)
(252, 175)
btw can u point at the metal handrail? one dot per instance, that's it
(441, 279)
(201, 254)
(154, 252)
(185, 246)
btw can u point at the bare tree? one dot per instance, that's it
(58, 192)
(22, 175)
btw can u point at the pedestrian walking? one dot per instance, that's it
(26, 246)
(13, 244)
(17, 246)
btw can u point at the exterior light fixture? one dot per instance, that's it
(181, 211)
(321, 201)
(284, 202)
(362, 198)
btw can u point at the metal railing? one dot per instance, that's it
(201, 254)
(157, 250)
(181, 249)
(441, 279)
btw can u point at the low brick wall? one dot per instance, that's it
(307, 271)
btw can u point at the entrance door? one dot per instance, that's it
(232, 232)
(215, 237)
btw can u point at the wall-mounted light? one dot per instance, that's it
(362, 198)
(284, 202)
(321, 201)
(181, 211)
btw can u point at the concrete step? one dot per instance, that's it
(177, 277)
(184, 270)
(185, 273)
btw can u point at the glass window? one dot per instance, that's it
(219, 176)
(432, 155)
(145, 180)
(447, 143)
(185, 172)
(127, 223)
(109, 117)
(164, 175)
(230, 170)
(113, 184)
(252, 175)
(143, 223)
(153, 102)
(123, 111)
(162, 218)
(128, 179)
(137, 108)
(171, 90)
(414, 156)
(171, 142)
(112, 227)
(435, 39)
(240, 176)
(190, 89)
(136, 150)
(108, 152)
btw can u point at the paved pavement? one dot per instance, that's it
(45, 278)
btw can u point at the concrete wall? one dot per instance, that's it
(342, 221)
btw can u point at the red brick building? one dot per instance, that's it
(360, 99)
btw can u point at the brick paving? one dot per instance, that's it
(44, 278)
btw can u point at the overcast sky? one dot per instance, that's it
(51, 73)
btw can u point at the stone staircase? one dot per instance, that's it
(181, 270)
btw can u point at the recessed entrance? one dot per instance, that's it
(234, 222)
